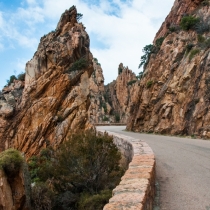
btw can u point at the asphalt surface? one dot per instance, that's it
(182, 169)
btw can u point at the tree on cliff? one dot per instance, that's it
(148, 49)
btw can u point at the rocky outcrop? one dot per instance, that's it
(55, 97)
(111, 103)
(118, 93)
(180, 8)
(173, 95)
(97, 110)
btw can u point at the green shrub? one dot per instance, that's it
(105, 118)
(41, 197)
(159, 42)
(93, 202)
(201, 39)
(188, 22)
(21, 76)
(86, 164)
(193, 53)
(104, 107)
(41, 166)
(189, 47)
(131, 82)
(11, 161)
(117, 117)
(11, 80)
(149, 84)
(78, 65)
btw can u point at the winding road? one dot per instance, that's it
(182, 169)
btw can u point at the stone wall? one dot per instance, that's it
(136, 190)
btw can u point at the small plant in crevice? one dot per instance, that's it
(104, 107)
(78, 65)
(117, 117)
(105, 118)
(200, 38)
(159, 42)
(193, 53)
(189, 47)
(149, 84)
(131, 82)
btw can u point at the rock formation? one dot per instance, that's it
(111, 103)
(118, 93)
(54, 99)
(173, 95)
(180, 8)
(96, 111)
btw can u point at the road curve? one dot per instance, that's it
(182, 169)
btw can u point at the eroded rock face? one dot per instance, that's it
(173, 96)
(55, 97)
(180, 8)
(119, 92)
(114, 99)
(96, 111)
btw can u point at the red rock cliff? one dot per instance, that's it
(173, 96)
(55, 97)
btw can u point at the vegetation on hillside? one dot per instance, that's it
(78, 175)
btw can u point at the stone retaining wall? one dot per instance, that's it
(136, 190)
(109, 124)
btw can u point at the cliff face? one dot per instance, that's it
(111, 103)
(54, 99)
(173, 96)
(118, 93)
(180, 8)
(96, 111)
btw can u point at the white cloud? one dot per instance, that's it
(31, 15)
(124, 34)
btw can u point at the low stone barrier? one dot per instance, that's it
(136, 190)
(109, 124)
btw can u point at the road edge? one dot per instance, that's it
(137, 187)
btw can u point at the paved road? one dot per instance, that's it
(182, 167)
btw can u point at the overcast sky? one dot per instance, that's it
(118, 30)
